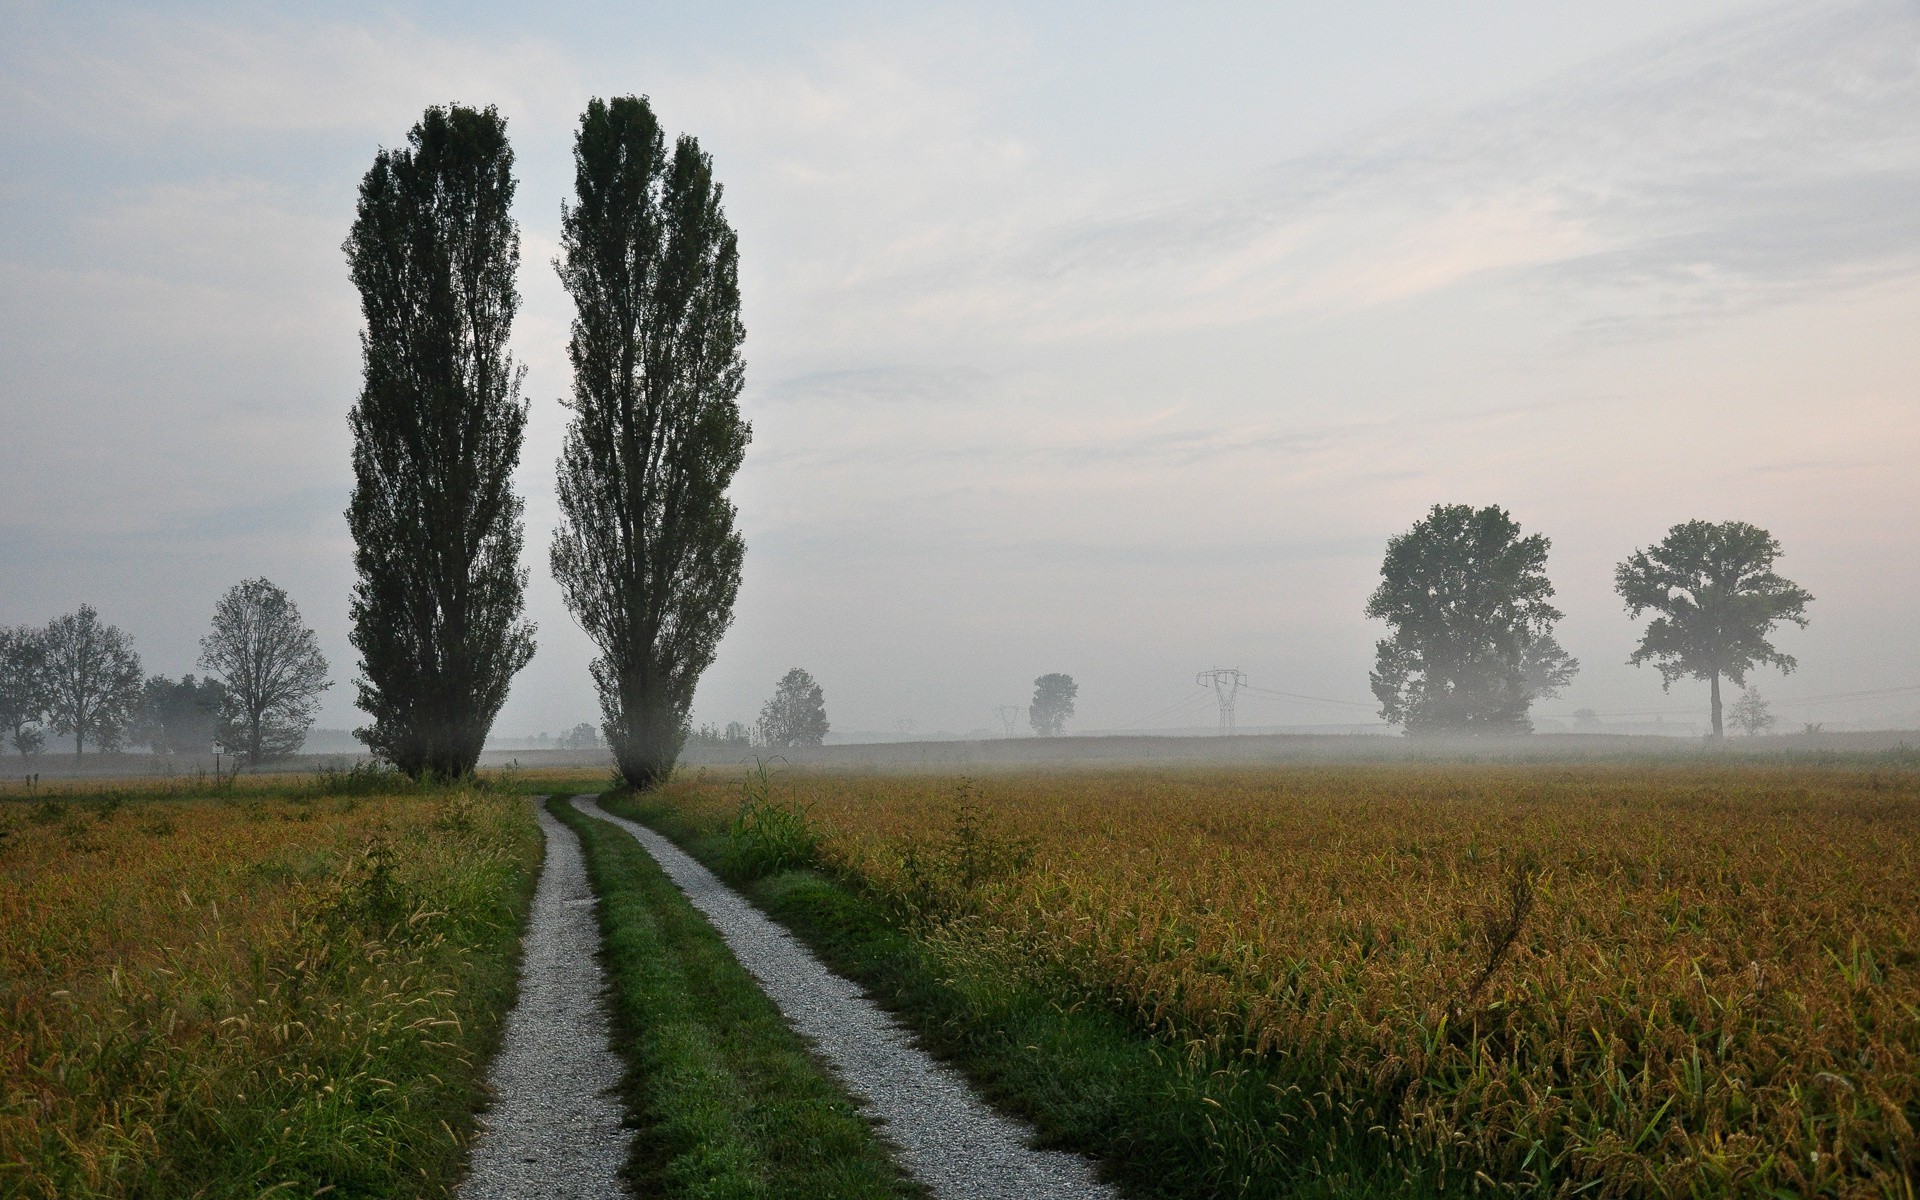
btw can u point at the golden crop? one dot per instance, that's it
(1594, 980)
(217, 996)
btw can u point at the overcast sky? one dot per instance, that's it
(1107, 339)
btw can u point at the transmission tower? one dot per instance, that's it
(1009, 716)
(1226, 684)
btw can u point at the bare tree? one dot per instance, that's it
(272, 670)
(93, 680)
(1751, 712)
(23, 688)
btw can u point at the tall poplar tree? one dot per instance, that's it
(646, 552)
(436, 437)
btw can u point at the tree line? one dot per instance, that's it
(81, 678)
(647, 554)
(1471, 645)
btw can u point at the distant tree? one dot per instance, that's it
(1472, 645)
(436, 437)
(738, 734)
(797, 713)
(581, 737)
(23, 688)
(271, 668)
(1752, 713)
(179, 716)
(647, 554)
(93, 680)
(1586, 718)
(1052, 704)
(1718, 599)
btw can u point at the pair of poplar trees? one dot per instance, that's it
(647, 554)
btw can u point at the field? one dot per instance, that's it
(281, 987)
(1598, 980)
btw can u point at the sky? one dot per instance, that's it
(1108, 339)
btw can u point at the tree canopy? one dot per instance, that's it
(647, 554)
(437, 429)
(271, 671)
(23, 688)
(1052, 704)
(1718, 600)
(1472, 643)
(796, 715)
(93, 680)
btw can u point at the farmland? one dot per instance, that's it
(261, 987)
(1594, 979)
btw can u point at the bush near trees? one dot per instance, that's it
(93, 680)
(647, 554)
(437, 429)
(1052, 704)
(1472, 645)
(270, 669)
(179, 716)
(1718, 599)
(23, 689)
(797, 713)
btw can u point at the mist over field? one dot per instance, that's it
(1107, 342)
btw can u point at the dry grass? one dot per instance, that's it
(1591, 980)
(250, 993)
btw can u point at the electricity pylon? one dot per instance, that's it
(1226, 684)
(1009, 716)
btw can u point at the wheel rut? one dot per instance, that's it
(950, 1139)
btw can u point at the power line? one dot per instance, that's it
(1272, 692)
(1009, 715)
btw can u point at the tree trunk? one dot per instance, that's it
(1718, 733)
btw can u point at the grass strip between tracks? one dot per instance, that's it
(730, 1100)
(1162, 1126)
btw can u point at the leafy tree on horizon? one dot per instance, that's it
(270, 668)
(1472, 645)
(23, 688)
(1052, 705)
(1718, 598)
(93, 680)
(796, 715)
(437, 430)
(647, 553)
(178, 716)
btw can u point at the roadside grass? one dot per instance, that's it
(730, 1102)
(266, 991)
(1524, 979)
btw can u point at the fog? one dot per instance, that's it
(1105, 341)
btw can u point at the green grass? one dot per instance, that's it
(1162, 1123)
(729, 1100)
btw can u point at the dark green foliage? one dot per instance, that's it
(23, 688)
(93, 680)
(1052, 703)
(1472, 645)
(436, 437)
(730, 1101)
(179, 716)
(796, 715)
(768, 834)
(646, 552)
(1718, 599)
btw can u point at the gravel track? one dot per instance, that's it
(555, 1129)
(946, 1136)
